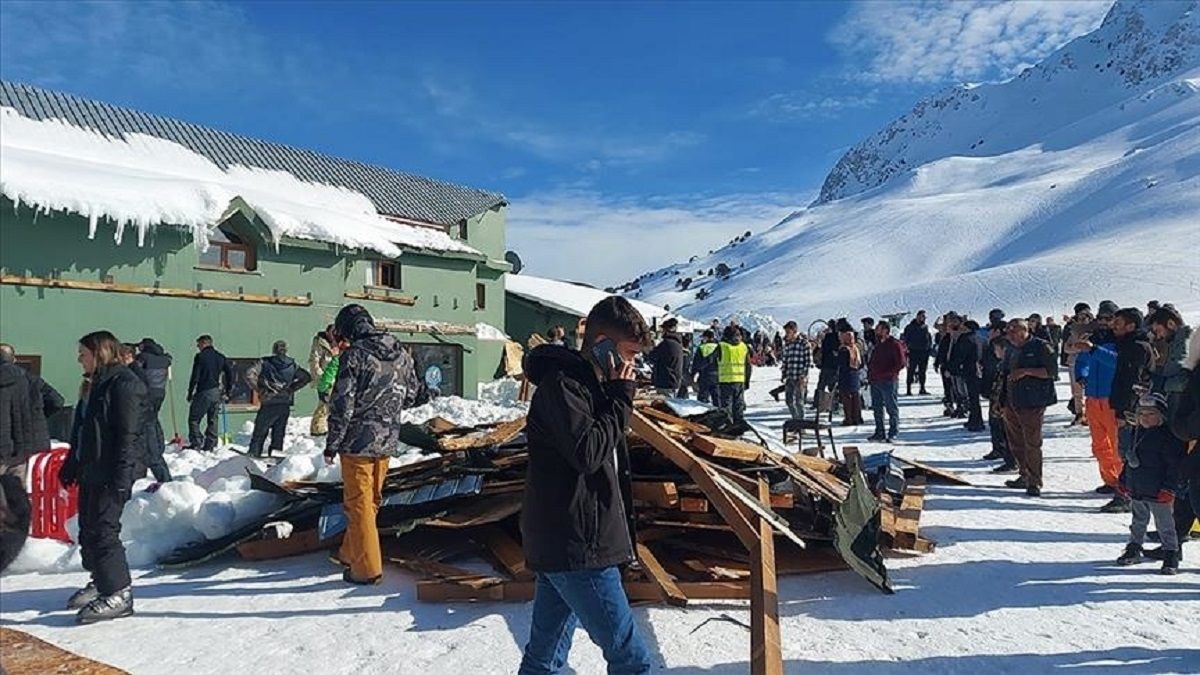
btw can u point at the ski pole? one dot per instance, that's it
(176, 438)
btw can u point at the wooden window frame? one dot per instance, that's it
(480, 295)
(30, 362)
(225, 247)
(254, 402)
(377, 274)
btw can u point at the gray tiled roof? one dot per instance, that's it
(394, 193)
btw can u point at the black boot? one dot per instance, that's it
(1131, 556)
(1007, 467)
(1158, 553)
(995, 454)
(1170, 563)
(1118, 504)
(108, 607)
(80, 598)
(1016, 484)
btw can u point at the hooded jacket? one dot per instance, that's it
(277, 378)
(1171, 377)
(667, 357)
(1160, 454)
(106, 439)
(376, 381)
(152, 365)
(578, 511)
(22, 423)
(319, 356)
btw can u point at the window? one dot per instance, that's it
(439, 367)
(229, 251)
(32, 363)
(461, 230)
(241, 393)
(480, 296)
(386, 274)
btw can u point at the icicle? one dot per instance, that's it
(92, 225)
(119, 232)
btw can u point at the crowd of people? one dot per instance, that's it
(1134, 384)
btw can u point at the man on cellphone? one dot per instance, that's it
(577, 521)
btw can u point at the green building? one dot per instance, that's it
(115, 219)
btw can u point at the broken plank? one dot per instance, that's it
(726, 448)
(934, 472)
(693, 504)
(766, 650)
(659, 577)
(505, 550)
(502, 434)
(662, 494)
(299, 543)
(481, 511)
(679, 422)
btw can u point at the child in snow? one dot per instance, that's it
(1152, 483)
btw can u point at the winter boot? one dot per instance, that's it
(1105, 490)
(107, 607)
(1118, 504)
(1033, 491)
(80, 598)
(1007, 467)
(994, 454)
(1016, 484)
(923, 392)
(1170, 563)
(1131, 556)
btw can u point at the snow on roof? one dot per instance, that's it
(143, 181)
(578, 300)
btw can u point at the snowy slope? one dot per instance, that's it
(1079, 179)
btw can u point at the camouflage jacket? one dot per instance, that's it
(376, 381)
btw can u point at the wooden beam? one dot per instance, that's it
(80, 285)
(405, 300)
(693, 504)
(659, 577)
(685, 459)
(766, 651)
(661, 494)
(727, 448)
(674, 421)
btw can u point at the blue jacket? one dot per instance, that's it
(1097, 368)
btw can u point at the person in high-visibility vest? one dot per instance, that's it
(733, 373)
(704, 370)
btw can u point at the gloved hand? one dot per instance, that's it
(1165, 497)
(66, 476)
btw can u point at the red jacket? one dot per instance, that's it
(887, 360)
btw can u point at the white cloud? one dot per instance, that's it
(935, 42)
(801, 105)
(583, 235)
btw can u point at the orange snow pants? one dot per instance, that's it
(1102, 424)
(362, 479)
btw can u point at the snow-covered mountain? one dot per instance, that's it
(1078, 179)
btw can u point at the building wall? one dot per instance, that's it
(49, 321)
(524, 317)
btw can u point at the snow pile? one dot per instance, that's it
(505, 392)
(143, 181)
(465, 412)
(755, 322)
(1078, 180)
(486, 331)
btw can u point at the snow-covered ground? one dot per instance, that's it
(1016, 585)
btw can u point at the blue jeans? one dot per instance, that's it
(595, 599)
(883, 396)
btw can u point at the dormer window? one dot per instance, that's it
(460, 230)
(228, 250)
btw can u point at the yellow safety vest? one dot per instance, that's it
(732, 366)
(707, 349)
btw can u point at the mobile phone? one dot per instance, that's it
(602, 351)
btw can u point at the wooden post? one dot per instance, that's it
(766, 652)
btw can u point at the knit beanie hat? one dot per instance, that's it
(1154, 401)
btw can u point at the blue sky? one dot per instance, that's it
(649, 131)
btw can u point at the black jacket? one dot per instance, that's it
(963, 360)
(1134, 359)
(106, 439)
(667, 357)
(942, 351)
(829, 350)
(208, 368)
(1185, 423)
(1160, 454)
(22, 422)
(277, 379)
(153, 366)
(578, 511)
(917, 338)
